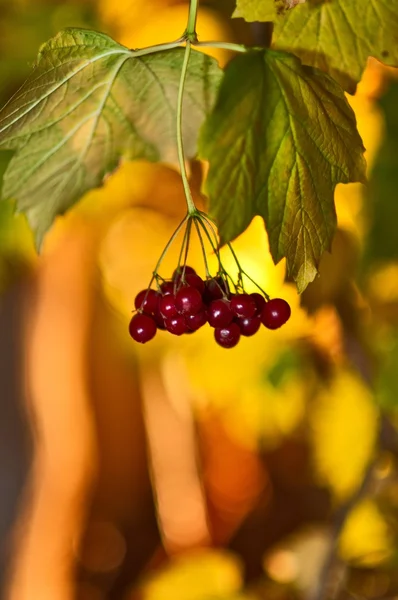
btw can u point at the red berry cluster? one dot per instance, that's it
(186, 303)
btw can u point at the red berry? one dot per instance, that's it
(242, 305)
(142, 328)
(147, 301)
(188, 300)
(167, 306)
(219, 313)
(228, 336)
(249, 325)
(195, 281)
(275, 313)
(167, 287)
(215, 289)
(259, 301)
(176, 325)
(190, 280)
(196, 321)
(159, 319)
(181, 270)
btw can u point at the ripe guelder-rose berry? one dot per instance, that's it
(188, 300)
(219, 313)
(259, 301)
(147, 301)
(242, 305)
(176, 325)
(275, 313)
(228, 336)
(179, 271)
(248, 325)
(167, 287)
(215, 289)
(142, 328)
(196, 321)
(167, 306)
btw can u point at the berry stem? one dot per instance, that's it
(214, 247)
(223, 45)
(180, 145)
(166, 248)
(203, 248)
(190, 32)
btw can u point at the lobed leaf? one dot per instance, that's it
(263, 10)
(280, 138)
(337, 36)
(89, 103)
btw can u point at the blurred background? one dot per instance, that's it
(179, 470)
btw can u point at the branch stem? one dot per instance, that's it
(180, 145)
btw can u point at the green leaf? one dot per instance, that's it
(381, 243)
(338, 36)
(263, 10)
(88, 104)
(280, 138)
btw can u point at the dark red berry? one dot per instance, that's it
(259, 301)
(181, 270)
(190, 280)
(195, 281)
(249, 325)
(167, 306)
(142, 328)
(159, 319)
(167, 287)
(219, 313)
(242, 305)
(275, 313)
(147, 301)
(176, 325)
(188, 300)
(196, 321)
(228, 336)
(215, 289)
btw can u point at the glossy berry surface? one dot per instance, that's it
(259, 301)
(176, 325)
(228, 336)
(142, 328)
(183, 271)
(275, 313)
(219, 313)
(167, 287)
(196, 321)
(249, 325)
(215, 289)
(167, 306)
(147, 301)
(242, 305)
(188, 300)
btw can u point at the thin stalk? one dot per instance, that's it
(156, 48)
(215, 249)
(184, 242)
(223, 45)
(190, 32)
(166, 248)
(180, 146)
(203, 248)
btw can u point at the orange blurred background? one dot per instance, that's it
(179, 470)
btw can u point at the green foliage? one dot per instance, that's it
(263, 10)
(338, 36)
(280, 138)
(88, 104)
(382, 190)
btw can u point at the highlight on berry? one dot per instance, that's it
(186, 302)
